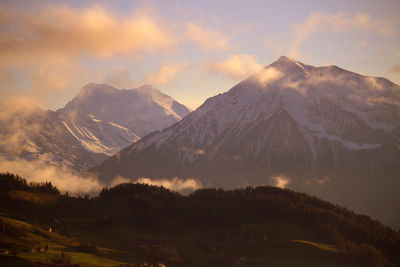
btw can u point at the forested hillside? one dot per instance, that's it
(135, 224)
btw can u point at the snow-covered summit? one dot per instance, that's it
(143, 110)
(298, 87)
(287, 65)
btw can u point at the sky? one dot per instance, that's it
(190, 50)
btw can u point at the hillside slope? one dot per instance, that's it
(133, 223)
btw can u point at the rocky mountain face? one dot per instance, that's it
(96, 124)
(322, 130)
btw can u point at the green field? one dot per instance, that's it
(256, 245)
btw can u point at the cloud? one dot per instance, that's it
(395, 69)
(280, 181)
(174, 184)
(337, 22)
(236, 67)
(9, 105)
(119, 180)
(320, 180)
(119, 78)
(207, 39)
(375, 84)
(55, 76)
(165, 74)
(45, 51)
(268, 75)
(59, 30)
(65, 179)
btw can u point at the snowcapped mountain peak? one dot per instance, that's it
(284, 60)
(288, 65)
(142, 110)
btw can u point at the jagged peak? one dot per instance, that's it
(284, 59)
(285, 63)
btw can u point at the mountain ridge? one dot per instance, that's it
(290, 119)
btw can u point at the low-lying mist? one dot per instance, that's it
(175, 184)
(75, 183)
(64, 178)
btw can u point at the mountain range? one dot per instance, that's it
(100, 121)
(322, 130)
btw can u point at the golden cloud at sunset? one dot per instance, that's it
(238, 66)
(165, 74)
(268, 75)
(64, 178)
(64, 31)
(280, 181)
(44, 50)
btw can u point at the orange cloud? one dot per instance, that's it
(165, 74)
(59, 30)
(280, 181)
(207, 39)
(268, 75)
(42, 50)
(64, 178)
(11, 104)
(174, 184)
(236, 67)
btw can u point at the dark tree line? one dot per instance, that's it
(9, 181)
(356, 235)
(159, 209)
